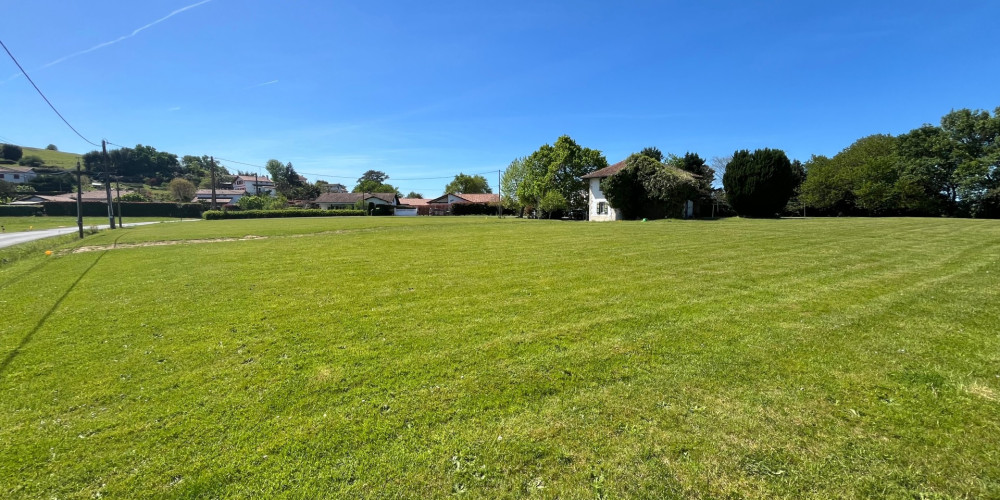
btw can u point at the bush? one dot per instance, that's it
(98, 209)
(759, 184)
(31, 161)
(11, 152)
(478, 209)
(52, 147)
(182, 189)
(271, 214)
(20, 210)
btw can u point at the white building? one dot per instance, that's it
(598, 208)
(253, 184)
(17, 175)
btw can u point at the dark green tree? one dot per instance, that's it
(52, 147)
(11, 152)
(414, 194)
(759, 184)
(653, 152)
(8, 192)
(468, 184)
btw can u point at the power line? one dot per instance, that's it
(25, 73)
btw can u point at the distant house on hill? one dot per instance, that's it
(222, 196)
(253, 184)
(598, 208)
(17, 175)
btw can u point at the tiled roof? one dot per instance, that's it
(415, 202)
(259, 179)
(469, 198)
(606, 171)
(480, 198)
(354, 197)
(613, 169)
(220, 192)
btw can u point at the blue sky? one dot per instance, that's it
(430, 89)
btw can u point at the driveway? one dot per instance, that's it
(11, 239)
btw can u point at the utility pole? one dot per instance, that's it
(79, 199)
(212, 166)
(118, 190)
(499, 196)
(107, 183)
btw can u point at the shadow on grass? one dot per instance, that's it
(38, 326)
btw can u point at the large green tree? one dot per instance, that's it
(468, 184)
(559, 167)
(11, 152)
(759, 184)
(373, 181)
(134, 164)
(863, 179)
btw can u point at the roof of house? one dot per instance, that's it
(259, 179)
(415, 202)
(468, 197)
(220, 192)
(354, 197)
(606, 171)
(16, 170)
(613, 169)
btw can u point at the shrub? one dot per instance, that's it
(478, 209)
(759, 184)
(11, 152)
(269, 214)
(182, 189)
(31, 161)
(52, 147)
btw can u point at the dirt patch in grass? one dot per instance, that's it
(982, 391)
(119, 246)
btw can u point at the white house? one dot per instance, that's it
(17, 175)
(222, 196)
(598, 208)
(253, 184)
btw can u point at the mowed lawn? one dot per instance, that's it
(429, 357)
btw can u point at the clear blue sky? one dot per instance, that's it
(425, 89)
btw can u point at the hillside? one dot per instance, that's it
(54, 158)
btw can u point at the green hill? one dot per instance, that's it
(54, 158)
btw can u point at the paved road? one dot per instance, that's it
(10, 239)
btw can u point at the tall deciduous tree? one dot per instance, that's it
(468, 184)
(558, 167)
(373, 181)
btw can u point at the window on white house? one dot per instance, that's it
(602, 208)
(17, 176)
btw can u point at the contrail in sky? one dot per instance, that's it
(272, 82)
(125, 37)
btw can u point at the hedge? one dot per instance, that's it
(268, 214)
(20, 210)
(129, 209)
(477, 209)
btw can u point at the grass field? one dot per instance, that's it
(54, 158)
(429, 357)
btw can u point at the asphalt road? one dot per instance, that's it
(10, 239)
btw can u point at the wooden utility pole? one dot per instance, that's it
(79, 199)
(211, 160)
(107, 183)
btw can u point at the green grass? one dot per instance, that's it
(54, 158)
(429, 357)
(16, 224)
